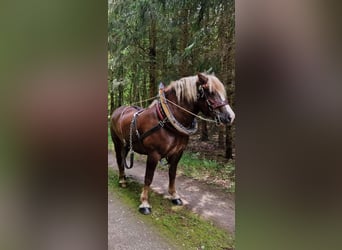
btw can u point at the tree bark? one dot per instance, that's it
(226, 35)
(111, 93)
(221, 136)
(111, 109)
(204, 131)
(153, 56)
(135, 92)
(120, 97)
(229, 145)
(184, 39)
(144, 89)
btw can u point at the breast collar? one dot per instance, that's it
(165, 115)
(160, 112)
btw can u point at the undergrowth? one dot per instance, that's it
(221, 173)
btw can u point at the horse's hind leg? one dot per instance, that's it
(151, 164)
(121, 154)
(173, 161)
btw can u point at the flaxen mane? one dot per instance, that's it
(186, 88)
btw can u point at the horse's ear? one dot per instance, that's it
(202, 79)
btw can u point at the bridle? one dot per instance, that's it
(201, 94)
(212, 105)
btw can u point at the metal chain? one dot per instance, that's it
(131, 151)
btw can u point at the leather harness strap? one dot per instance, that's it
(161, 123)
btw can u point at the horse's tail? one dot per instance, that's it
(121, 150)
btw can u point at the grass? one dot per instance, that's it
(186, 229)
(212, 171)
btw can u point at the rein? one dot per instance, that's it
(198, 116)
(145, 100)
(175, 104)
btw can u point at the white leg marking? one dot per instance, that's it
(175, 196)
(144, 204)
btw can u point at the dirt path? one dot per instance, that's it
(127, 232)
(206, 200)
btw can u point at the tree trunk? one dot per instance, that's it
(229, 145)
(144, 90)
(184, 39)
(120, 97)
(111, 93)
(221, 136)
(111, 102)
(204, 131)
(152, 56)
(226, 34)
(134, 93)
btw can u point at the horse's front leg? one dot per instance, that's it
(173, 161)
(152, 160)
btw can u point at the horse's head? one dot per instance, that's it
(212, 99)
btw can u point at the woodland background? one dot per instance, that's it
(160, 41)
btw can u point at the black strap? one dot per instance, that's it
(152, 130)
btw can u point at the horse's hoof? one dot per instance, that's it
(177, 202)
(145, 210)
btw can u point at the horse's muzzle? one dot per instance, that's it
(223, 118)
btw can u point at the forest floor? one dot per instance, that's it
(211, 202)
(208, 159)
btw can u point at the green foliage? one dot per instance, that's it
(185, 229)
(189, 38)
(110, 142)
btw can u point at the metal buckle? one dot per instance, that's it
(161, 123)
(209, 106)
(217, 120)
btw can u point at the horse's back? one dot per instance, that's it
(123, 111)
(122, 116)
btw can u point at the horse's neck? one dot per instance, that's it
(185, 118)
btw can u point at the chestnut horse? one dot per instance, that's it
(162, 130)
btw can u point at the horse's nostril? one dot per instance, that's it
(228, 119)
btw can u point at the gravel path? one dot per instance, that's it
(210, 202)
(127, 232)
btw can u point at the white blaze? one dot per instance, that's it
(231, 113)
(229, 110)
